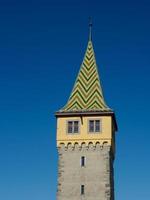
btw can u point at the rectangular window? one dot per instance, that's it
(97, 125)
(82, 190)
(73, 127)
(94, 126)
(91, 126)
(76, 126)
(70, 127)
(82, 161)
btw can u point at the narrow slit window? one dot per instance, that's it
(82, 190)
(82, 161)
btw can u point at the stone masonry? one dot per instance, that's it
(96, 175)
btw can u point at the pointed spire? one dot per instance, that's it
(90, 29)
(87, 93)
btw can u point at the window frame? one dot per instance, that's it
(73, 127)
(100, 125)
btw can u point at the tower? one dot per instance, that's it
(86, 138)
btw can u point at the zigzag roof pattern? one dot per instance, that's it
(87, 93)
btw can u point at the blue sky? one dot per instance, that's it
(42, 44)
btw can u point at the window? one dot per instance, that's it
(82, 161)
(70, 126)
(97, 125)
(91, 126)
(73, 127)
(82, 190)
(94, 126)
(76, 126)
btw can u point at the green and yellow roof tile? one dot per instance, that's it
(87, 93)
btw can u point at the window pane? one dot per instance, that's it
(70, 127)
(97, 126)
(91, 126)
(76, 126)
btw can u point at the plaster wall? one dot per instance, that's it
(105, 134)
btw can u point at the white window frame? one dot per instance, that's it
(100, 128)
(72, 133)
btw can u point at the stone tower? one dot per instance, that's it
(86, 138)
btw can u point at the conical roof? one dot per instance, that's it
(87, 92)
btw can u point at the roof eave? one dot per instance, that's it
(88, 113)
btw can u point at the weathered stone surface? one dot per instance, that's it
(96, 175)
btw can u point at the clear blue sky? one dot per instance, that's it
(42, 44)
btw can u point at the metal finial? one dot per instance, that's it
(90, 28)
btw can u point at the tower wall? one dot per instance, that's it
(96, 175)
(104, 136)
(86, 129)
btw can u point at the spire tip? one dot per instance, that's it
(90, 28)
